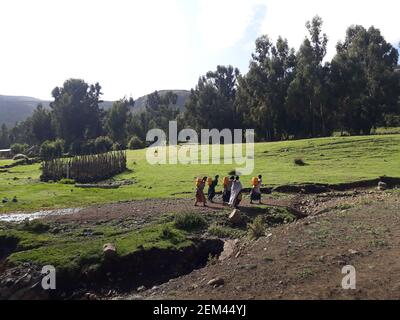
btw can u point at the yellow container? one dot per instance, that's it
(198, 181)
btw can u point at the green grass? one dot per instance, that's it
(222, 231)
(4, 162)
(329, 160)
(71, 252)
(190, 221)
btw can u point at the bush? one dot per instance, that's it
(88, 147)
(212, 260)
(224, 232)
(392, 120)
(342, 133)
(18, 148)
(103, 144)
(280, 216)
(51, 149)
(117, 146)
(299, 162)
(135, 143)
(190, 221)
(257, 228)
(67, 181)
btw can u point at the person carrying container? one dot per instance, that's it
(200, 185)
(255, 194)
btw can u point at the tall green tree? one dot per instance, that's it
(159, 110)
(262, 91)
(4, 137)
(366, 86)
(212, 103)
(76, 113)
(307, 95)
(41, 123)
(116, 120)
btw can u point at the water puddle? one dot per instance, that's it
(19, 217)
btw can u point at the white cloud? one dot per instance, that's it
(287, 18)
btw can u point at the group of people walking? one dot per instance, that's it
(232, 192)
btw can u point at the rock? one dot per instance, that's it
(109, 250)
(90, 296)
(353, 251)
(217, 282)
(229, 249)
(141, 288)
(249, 267)
(382, 186)
(235, 217)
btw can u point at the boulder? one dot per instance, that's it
(235, 217)
(216, 282)
(382, 186)
(141, 289)
(109, 250)
(229, 249)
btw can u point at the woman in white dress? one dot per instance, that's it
(235, 193)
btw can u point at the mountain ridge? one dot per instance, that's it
(14, 109)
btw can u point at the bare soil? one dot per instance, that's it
(304, 260)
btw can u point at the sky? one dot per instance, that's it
(133, 47)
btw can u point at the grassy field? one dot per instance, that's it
(328, 160)
(72, 249)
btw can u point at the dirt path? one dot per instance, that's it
(153, 208)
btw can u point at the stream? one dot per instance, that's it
(22, 216)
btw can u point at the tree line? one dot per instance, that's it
(286, 94)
